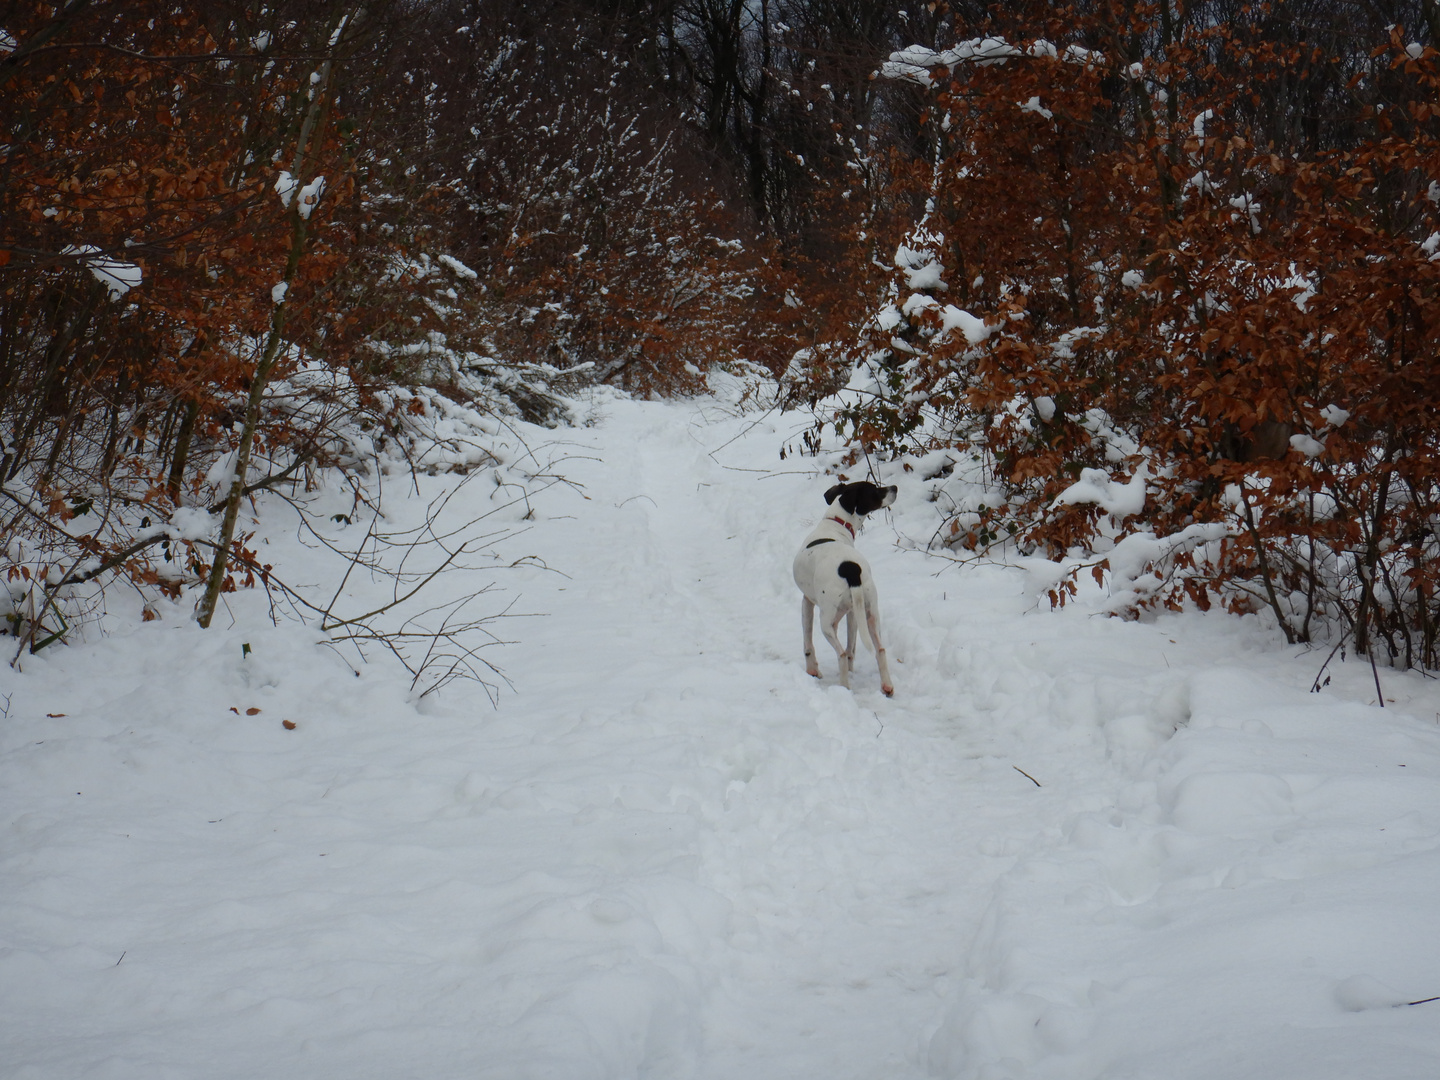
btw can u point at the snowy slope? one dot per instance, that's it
(670, 853)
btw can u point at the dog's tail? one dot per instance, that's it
(851, 572)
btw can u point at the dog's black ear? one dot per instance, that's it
(834, 491)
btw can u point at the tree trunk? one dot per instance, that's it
(182, 450)
(310, 128)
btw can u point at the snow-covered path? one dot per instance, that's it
(809, 898)
(670, 853)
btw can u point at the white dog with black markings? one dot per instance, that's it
(835, 578)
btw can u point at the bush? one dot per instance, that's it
(1199, 361)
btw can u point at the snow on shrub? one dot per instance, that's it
(1216, 390)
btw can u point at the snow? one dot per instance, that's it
(1334, 415)
(1078, 54)
(457, 267)
(1071, 847)
(285, 186)
(310, 196)
(915, 62)
(194, 522)
(1200, 181)
(1032, 104)
(222, 471)
(1307, 287)
(921, 266)
(1119, 498)
(1361, 992)
(974, 329)
(1248, 205)
(118, 276)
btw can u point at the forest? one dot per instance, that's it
(1170, 272)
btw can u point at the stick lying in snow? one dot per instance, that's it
(1026, 775)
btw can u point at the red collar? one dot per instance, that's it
(848, 526)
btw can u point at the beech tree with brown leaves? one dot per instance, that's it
(1200, 359)
(160, 264)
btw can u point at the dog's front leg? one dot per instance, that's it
(807, 625)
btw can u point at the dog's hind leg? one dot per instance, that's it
(829, 628)
(807, 626)
(851, 573)
(872, 625)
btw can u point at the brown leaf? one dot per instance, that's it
(252, 711)
(288, 725)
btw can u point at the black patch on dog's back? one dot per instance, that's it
(850, 571)
(822, 540)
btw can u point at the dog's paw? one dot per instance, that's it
(888, 691)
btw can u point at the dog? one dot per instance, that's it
(834, 577)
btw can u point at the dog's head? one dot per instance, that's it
(861, 498)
